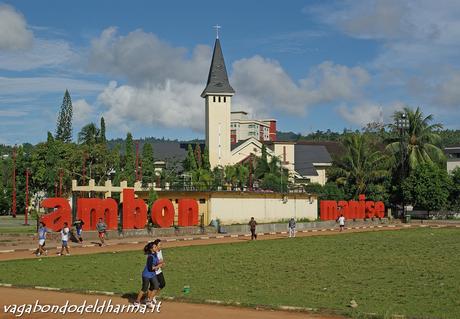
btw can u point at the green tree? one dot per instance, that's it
(202, 179)
(360, 166)
(454, 197)
(102, 138)
(190, 162)
(206, 164)
(148, 167)
(419, 142)
(128, 164)
(198, 158)
(64, 122)
(89, 134)
(427, 187)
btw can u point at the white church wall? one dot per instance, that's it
(264, 208)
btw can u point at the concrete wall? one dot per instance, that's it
(264, 208)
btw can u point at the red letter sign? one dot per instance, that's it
(55, 220)
(91, 209)
(163, 213)
(188, 212)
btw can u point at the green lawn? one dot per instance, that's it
(410, 272)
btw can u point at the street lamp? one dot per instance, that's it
(402, 124)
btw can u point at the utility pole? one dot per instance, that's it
(26, 211)
(13, 208)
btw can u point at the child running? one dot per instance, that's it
(42, 231)
(150, 284)
(65, 239)
(101, 229)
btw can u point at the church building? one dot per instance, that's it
(231, 137)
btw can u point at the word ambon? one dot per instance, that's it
(133, 216)
(331, 210)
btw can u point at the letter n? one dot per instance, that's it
(162, 213)
(62, 214)
(134, 211)
(188, 212)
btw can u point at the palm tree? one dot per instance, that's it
(420, 138)
(361, 165)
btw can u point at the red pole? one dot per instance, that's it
(137, 160)
(60, 182)
(140, 169)
(26, 213)
(84, 169)
(13, 208)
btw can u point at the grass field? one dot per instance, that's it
(409, 272)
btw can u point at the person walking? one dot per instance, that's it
(341, 221)
(252, 225)
(42, 231)
(101, 229)
(159, 271)
(65, 231)
(150, 284)
(291, 226)
(79, 228)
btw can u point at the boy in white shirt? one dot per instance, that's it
(341, 221)
(65, 239)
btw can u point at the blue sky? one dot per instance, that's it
(143, 64)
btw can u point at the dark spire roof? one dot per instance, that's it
(217, 78)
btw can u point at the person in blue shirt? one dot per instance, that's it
(42, 231)
(150, 284)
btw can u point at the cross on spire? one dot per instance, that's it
(217, 27)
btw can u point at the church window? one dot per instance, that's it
(225, 99)
(219, 99)
(214, 99)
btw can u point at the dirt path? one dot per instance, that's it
(168, 309)
(128, 245)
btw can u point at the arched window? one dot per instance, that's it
(219, 99)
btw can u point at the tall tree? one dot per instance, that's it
(198, 159)
(129, 162)
(148, 167)
(206, 163)
(64, 122)
(102, 138)
(89, 134)
(190, 162)
(361, 165)
(419, 141)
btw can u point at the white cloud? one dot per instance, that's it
(448, 92)
(14, 34)
(12, 113)
(82, 111)
(174, 104)
(43, 54)
(27, 85)
(143, 57)
(262, 84)
(368, 112)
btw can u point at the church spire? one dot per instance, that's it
(217, 78)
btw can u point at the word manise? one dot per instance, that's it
(133, 216)
(330, 209)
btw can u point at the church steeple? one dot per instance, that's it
(217, 79)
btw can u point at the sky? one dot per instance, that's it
(142, 65)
